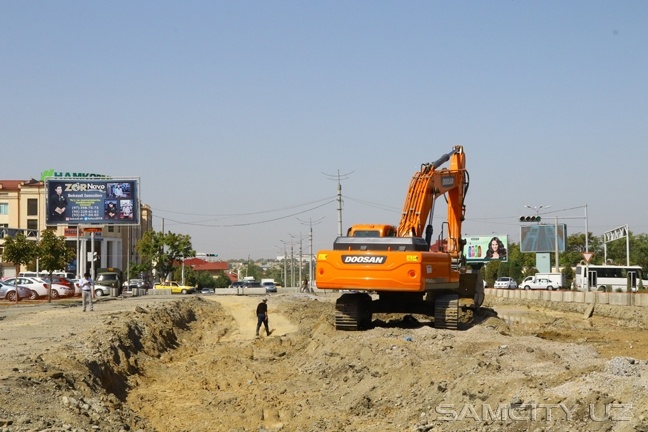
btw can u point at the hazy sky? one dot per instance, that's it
(236, 116)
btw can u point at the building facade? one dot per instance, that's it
(23, 209)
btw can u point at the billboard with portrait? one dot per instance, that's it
(486, 248)
(92, 201)
(542, 238)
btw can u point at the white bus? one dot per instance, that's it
(609, 278)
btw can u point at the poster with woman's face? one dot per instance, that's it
(486, 248)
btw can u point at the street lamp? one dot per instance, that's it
(537, 208)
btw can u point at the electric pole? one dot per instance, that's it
(339, 177)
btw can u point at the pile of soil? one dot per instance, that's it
(193, 363)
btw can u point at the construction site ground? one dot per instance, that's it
(193, 363)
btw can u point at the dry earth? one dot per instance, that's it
(194, 364)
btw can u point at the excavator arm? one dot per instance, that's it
(426, 186)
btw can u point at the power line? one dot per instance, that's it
(248, 223)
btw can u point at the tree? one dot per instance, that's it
(19, 251)
(53, 255)
(161, 251)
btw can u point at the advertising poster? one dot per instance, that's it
(486, 248)
(92, 201)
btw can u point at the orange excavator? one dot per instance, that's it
(389, 269)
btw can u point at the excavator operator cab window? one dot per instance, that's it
(366, 233)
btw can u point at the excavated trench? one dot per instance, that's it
(184, 365)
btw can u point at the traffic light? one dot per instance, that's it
(529, 218)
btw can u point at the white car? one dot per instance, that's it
(102, 290)
(544, 284)
(505, 283)
(39, 287)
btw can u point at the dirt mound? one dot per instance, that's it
(162, 364)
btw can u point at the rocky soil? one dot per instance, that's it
(193, 363)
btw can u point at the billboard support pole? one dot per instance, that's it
(92, 252)
(556, 244)
(78, 261)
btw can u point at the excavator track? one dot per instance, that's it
(353, 312)
(446, 311)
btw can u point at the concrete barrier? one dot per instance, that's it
(622, 299)
(225, 291)
(160, 291)
(617, 299)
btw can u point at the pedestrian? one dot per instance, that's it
(87, 291)
(304, 287)
(262, 316)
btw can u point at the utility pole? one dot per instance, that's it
(339, 177)
(310, 248)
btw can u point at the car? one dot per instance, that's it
(136, 283)
(176, 288)
(102, 290)
(270, 287)
(39, 287)
(77, 289)
(60, 280)
(8, 292)
(207, 291)
(505, 282)
(237, 285)
(541, 283)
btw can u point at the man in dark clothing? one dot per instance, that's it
(58, 205)
(262, 317)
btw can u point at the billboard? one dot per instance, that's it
(92, 201)
(486, 248)
(542, 238)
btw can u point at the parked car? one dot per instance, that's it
(176, 288)
(8, 292)
(39, 287)
(505, 282)
(541, 283)
(136, 283)
(270, 287)
(58, 280)
(77, 290)
(207, 291)
(102, 290)
(237, 285)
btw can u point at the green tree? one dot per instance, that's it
(638, 245)
(222, 281)
(52, 255)
(19, 251)
(251, 269)
(161, 252)
(573, 254)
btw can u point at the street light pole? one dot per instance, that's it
(537, 208)
(545, 257)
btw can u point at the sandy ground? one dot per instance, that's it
(193, 363)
